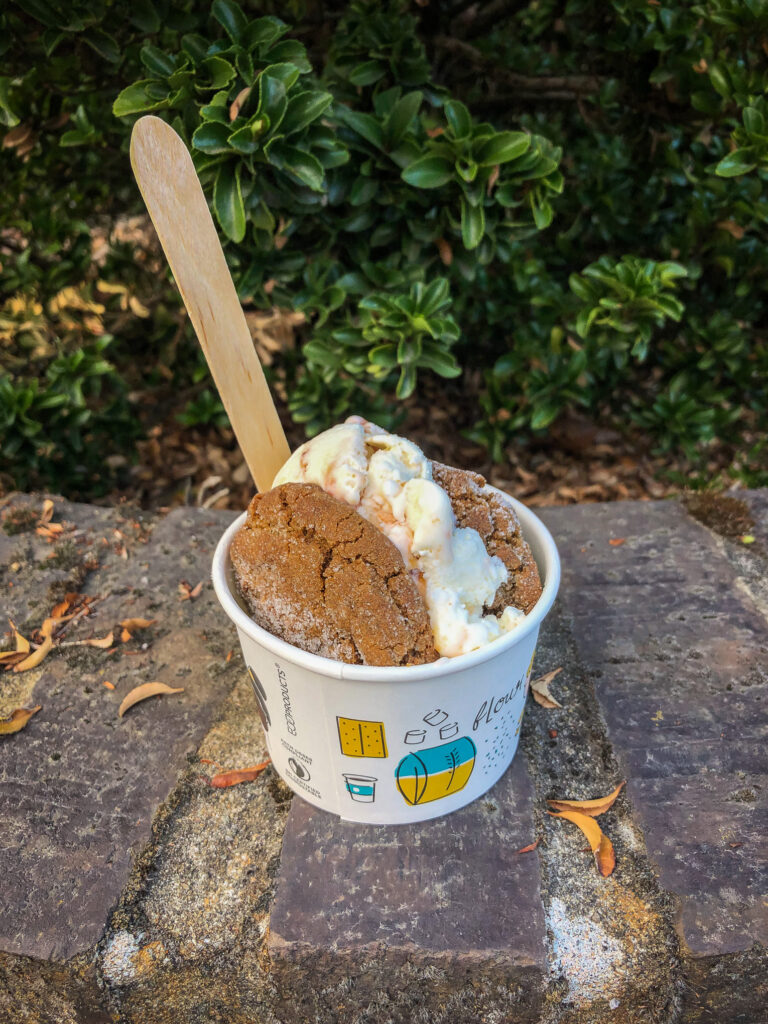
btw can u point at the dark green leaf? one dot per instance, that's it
(220, 72)
(303, 109)
(140, 98)
(459, 119)
(228, 201)
(301, 165)
(156, 61)
(501, 147)
(428, 172)
(368, 73)
(364, 124)
(230, 16)
(211, 138)
(104, 44)
(738, 162)
(472, 224)
(401, 116)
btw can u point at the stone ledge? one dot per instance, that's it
(184, 926)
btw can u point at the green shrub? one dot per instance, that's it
(436, 189)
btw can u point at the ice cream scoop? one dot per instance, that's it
(389, 481)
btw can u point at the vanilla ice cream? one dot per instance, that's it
(388, 480)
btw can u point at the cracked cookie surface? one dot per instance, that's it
(316, 574)
(477, 506)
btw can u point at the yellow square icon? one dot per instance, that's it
(361, 739)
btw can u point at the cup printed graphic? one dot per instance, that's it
(447, 731)
(436, 717)
(359, 738)
(362, 788)
(436, 772)
(298, 769)
(261, 699)
(415, 736)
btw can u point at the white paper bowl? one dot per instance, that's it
(391, 745)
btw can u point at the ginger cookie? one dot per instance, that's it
(475, 505)
(316, 574)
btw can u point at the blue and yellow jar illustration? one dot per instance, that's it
(361, 788)
(436, 772)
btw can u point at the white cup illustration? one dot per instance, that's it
(415, 736)
(361, 788)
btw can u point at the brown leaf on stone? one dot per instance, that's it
(137, 623)
(47, 627)
(591, 807)
(540, 690)
(238, 775)
(10, 658)
(60, 610)
(189, 593)
(616, 542)
(125, 636)
(605, 857)
(18, 720)
(196, 591)
(22, 644)
(139, 693)
(600, 844)
(529, 848)
(103, 643)
(47, 514)
(109, 686)
(34, 659)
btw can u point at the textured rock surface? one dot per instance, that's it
(79, 787)
(451, 895)
(674, 642)
(142, 895)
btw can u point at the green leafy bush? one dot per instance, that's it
(436, 189)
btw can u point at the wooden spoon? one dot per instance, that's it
(171, 189)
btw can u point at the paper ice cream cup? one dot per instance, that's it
(389, 745)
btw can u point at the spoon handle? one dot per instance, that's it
(171, 189)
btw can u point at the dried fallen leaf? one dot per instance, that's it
(109, 686)
(125, 636)
(189, 593)
(229, 656)
(10, 658)
(605, 858)
(239, 100)
(22, 644)
(47, 627)
(60, 609)
(616, 542)
(529, 848)
(540, 690)
(139, 693)
(34, 659)
(600, 844)
(236, 776)
(47, 514)
(103, 643)
(747, 538)
(591, 807)
(445, 251)
(137, 623)
(18, 720)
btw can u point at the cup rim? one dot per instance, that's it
(549, 569)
